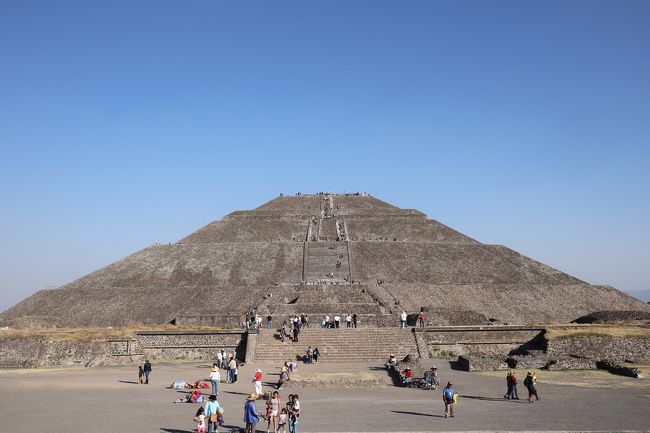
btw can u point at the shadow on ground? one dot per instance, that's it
(505, 400)
(416, 413)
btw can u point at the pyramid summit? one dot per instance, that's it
(320, 254)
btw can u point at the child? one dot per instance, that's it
(282, 420)
(199, 418)
(140, 374)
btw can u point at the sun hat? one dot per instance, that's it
(252, 397)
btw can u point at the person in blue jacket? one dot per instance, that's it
(448, 394)
(251, 417)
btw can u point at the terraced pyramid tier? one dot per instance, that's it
(321, 254)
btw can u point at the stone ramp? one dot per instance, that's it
(337, 345)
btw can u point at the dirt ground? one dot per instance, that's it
(109, 399)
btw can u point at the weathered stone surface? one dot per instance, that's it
(614, 316)
(376, 259)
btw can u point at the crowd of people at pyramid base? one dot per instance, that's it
(210, 416)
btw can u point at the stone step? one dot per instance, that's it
(337, 345)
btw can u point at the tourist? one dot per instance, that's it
(513, 386)
(337, 320)
(348, 320)
(199, 419)
(435, 377)
(294, 414)
(211, 413)
(449, 396)
(402, 318)
(232, 370)
(293, 367)
(282, 420)
(284, 377)
(219, 358)
(273, 408)
(407, 376)
(269, 321)
(296, 330)
(310, 355)
(421, 318)
(316, 354)
(327, 321)
(215, 378)
(354, 320)
(251, 417)
(390, 364)
(257, 380)
(140, 374)
(224, 360)
(147, 371)
(529, 382)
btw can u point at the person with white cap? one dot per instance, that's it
(257, 380)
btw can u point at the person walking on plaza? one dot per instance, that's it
(140, 374)
(232, 370)
(449, 397)
(529, 382)
(251, 417)
(402, 319)
(294, 414)
(211, 413)
(272, 412)
(215, 378)
(147, 371)
(511, 381)
(257, 380)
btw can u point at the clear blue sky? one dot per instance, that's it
(519, 123)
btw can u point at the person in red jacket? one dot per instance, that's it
(257, 380)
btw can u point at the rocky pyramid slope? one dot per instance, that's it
(321, 254)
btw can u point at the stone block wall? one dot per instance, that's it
(600, 347)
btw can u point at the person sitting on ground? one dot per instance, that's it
(390, 364)
(407, 376)
(435, 377)
(293, 367)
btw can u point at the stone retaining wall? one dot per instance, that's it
(602, 347)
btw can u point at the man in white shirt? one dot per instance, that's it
(402, 318)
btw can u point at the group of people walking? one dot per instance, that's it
(530, 384)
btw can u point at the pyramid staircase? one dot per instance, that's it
(319, 300)
(336, 345)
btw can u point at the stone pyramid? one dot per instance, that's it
(321, 254)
